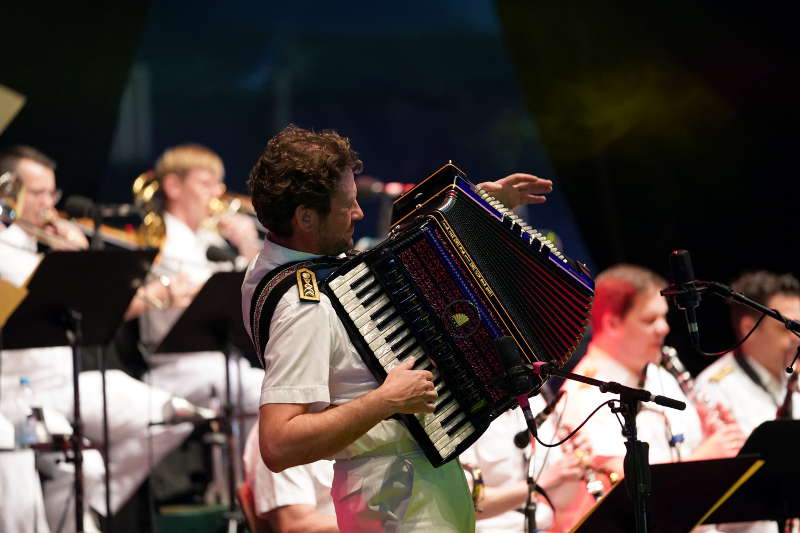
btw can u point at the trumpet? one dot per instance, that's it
(228, 203)
(594, 477)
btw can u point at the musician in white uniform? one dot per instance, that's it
(190, 178)
(629, 326)
(503, 467)
(751, 382)
(131, 403)
(319, 400)
(296, 499)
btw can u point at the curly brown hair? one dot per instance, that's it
(298, 167)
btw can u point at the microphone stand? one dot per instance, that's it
(636, 463)
(518, 384)
(530, 502)
(96, 243)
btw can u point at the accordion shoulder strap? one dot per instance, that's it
(275, 284)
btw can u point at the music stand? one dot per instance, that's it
(77, 299)
(771, 494)
(213, 322)
(675, 506)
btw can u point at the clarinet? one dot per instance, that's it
(711, 414)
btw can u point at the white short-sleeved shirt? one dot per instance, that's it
(300, 485)
(501, 462)
(725, 381)
(309, 358)
(44, 367)
(183, 252)
(18, 257)
(655, 424)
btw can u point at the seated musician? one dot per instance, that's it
(319, 400)
(190, 177)
(133, 404)
(751, 382)
(502, 466)
(297, 499)
(629, 324)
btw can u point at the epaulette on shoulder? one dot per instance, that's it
(307, 288)
(720, 374)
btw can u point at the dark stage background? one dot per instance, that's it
(663, 125)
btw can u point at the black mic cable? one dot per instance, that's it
(522, 439)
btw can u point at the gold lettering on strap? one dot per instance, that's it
(307, 285)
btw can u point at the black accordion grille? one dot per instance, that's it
(548, 306)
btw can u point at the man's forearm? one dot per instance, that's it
(309, 437)
(498, 500)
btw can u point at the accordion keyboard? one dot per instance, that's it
(380, 312)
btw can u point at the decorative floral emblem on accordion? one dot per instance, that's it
(461, 318)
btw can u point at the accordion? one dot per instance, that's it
(457, 271)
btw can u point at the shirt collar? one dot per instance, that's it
(612, 370)
(273, 254)
(177, 226)
(776, 386)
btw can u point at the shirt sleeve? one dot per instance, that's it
(297, 356)
(293, 486)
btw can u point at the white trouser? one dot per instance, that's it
(194, 375)
(397, 490)
(134, 446)
(21, 505)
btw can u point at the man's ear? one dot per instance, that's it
(746, 323)
(611, 322)
(171, 185)
(305, 218)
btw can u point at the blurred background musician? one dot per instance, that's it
(629, 326)
(751, 381)
(295, 500)
(503, 467)
(37, 224)
(189, 177)
(131, 403)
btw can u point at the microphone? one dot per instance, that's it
(519, 377)
(221, 254)
(686, 297)
(522, 439)
(80, 206)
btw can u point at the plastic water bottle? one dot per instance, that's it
(25, 425)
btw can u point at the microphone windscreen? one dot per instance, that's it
(78, 206)
(680, 266)
(522, 439)
(220, 254)
(508, 352)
